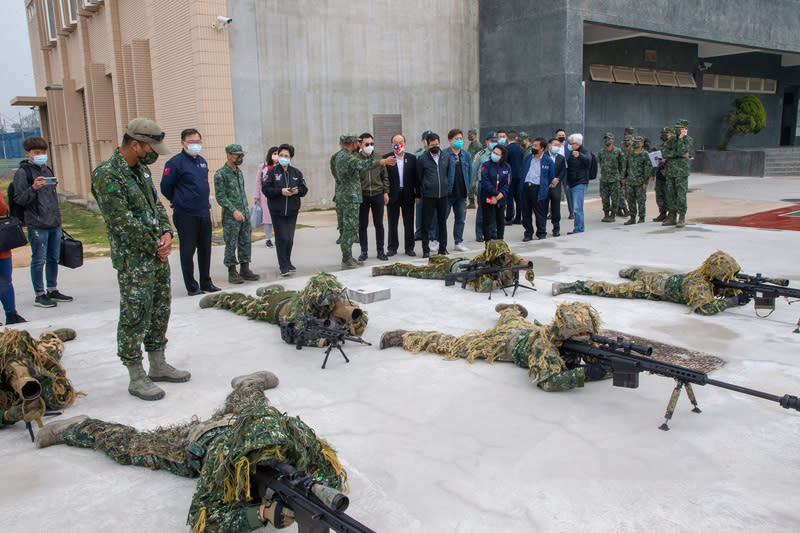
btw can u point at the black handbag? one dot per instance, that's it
(71, 251)
(11, 234)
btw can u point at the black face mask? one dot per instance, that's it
(535, 151)
(562, 139)
(435, 150)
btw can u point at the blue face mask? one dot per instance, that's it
(40, 159)
(458, 144)
(501, 140)
(492, 145)
(284, 161)
(495, 158)
(194, 149)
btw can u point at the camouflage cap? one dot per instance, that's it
(638, 139)
(682, 123)
(234, 149)
(341, 139)
(629, 130)
(472, 132)
(627, 138)
(667, 129)
(491, 136)
(608, 135)
(349, 139)
(523, 135)
(147, 131)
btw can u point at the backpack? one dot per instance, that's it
(15, 209)
(593, 168)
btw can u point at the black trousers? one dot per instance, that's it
(531, 205)
(284, 238)
(553, 203)
(194, 234)
(496, 213)
(514, 199)
(407, 209)
(375, 204)
(429, 205)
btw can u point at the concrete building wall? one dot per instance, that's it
(306, 72)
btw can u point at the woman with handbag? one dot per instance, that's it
(6, 286)
(258, 194)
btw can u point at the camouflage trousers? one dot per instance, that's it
(349, 227)
(144, 308)
(237, 241)
(609, 193)
(643, 285)
(677, 188)
(621, 198)
(661, 196)
(637, 199)
(339, 218)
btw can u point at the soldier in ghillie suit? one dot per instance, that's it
(497, 254)
(695, 288)
(222, 452)
(323, 297)
(32, 379)
(513, 339)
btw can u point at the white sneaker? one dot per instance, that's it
(433, 245)
(460, 247)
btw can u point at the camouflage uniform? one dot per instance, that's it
(246, 432)
(677, 170)
(513, 339)
(695, 288)
(336, 188)
(626, 154)
(474, 146)
(611, 166)
(135, 221)
(497, 253)
(661, 180)
(230, 195)
(639, 172)
(348, 194)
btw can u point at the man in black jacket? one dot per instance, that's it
(515, 159)
(35, 190)
(403, 195)
(578, 164)
(553, 200)
(432, 172)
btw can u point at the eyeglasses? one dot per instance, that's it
(157, 138)
(369, 144)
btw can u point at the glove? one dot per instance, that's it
(274, 512)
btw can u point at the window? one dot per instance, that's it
(641, 76)
(72, 8)
(738, 84)
(51, 21)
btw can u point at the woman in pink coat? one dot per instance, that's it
(258, 196)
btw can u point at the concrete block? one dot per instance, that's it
(368, 296)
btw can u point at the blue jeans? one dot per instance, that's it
(45, 252)
(576, 193)
(6, 287)
(459, 207)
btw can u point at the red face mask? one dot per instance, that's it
(399, 147)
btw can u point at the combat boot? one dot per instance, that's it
(382, 270)
(266, 379)
(160, 370)
(233, 276)
(641, 219)
(522, 311)
(53, 433)
(661, 217)
(627, 272)
(246, 274)
(471, 204)
(210, 300)
(681, 221)
(65, 334)
(608, 216)
(141, 385)
(348, 261)
(630, 221)
(670, 220)
(394, 338)
(12, 415)
(560, 288)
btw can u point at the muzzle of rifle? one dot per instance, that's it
(20, 380)
(332, 498)
(346, 312)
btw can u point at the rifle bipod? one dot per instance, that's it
(331, 345)
(673, 402)
(516, 286)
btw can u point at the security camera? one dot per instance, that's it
(222, 21)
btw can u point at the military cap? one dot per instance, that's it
(682, 123)
(638, 139)
(349, 139)
(472, 132)
(234, 149)
(491, 136)
(627, 138)
(608, 135)
(523, 135)
(147, 131)
(629, 129)
(667, 129)
(341, 139)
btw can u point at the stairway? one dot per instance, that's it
(782, 161)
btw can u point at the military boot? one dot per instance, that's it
(12, 415)
(246, 274)
(520, 308)
(560, 288)
(641, 219)
(608, 217)
(471, 204)
(141, 385)
(210, 300)
(382, 270)
(348, 261)
(53, 433)
(627, 272)
(65, 334)
(670, 220)
(661, 217)
(233, 276)
(392, 338)
(630, 221)
(267, 380)
(681, 221)
(160, 370)
(263, 290)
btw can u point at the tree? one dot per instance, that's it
(748, 116)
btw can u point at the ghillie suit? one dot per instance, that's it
(323, 297)
(513, 339)
(496, 254)
(695, 288)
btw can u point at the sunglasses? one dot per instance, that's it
(157, 138)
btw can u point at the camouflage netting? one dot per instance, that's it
(698, 286)
(496, 253)
(322, 297)
(514, 339)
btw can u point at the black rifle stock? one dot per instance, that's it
(317, 507)
(762, 290)
(314, 329)
(472, 271)
(614, 356)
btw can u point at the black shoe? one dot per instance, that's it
(509, 222)
(391, 253)
(570, 233)
(382, 256)
(292, 268)
(443, 251)
(526, 238)
(426, 255)
(363, 256)
(541, 237)
(210, 288)
(571, 217)
(196, 292)
(517, 221)
(478, 239)
(556, 234)
(285, 273)
(14, 318)
(43, 301)
(411, 253)
(58, 297)
(269, 243)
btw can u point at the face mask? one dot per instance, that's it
(535, 151)
(435, 150)
(664, 137)
(369, 149)
(398, 148)
(495, 158)
(609, 143)
(40, 159)
(194, 149)
(492, 145)
(238, 161)
(554, 150)
(561, 139)
(284, 161)
(637, 145)
(501, 140)
(626, 145)
(149, 158)
(458, 144)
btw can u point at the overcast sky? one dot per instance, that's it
(17, 79)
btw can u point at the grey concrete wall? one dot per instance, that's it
(305, 72)
(731, 163)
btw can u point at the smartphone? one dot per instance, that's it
(50, 180)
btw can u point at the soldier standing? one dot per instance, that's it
(473, 148)
(639, 172)
(611, 165)
(336, 186)
(661, 178)
(229, 191)
(140, 237)
(676, 153)
(627, 141)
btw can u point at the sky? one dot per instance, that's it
(15, 60)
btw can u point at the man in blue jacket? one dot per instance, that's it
(459, 179)
(185, 185)
(537, 174)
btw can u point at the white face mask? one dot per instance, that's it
(369, 149)
(194, 149)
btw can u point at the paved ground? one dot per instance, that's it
(438, 446)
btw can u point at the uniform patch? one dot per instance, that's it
(166, 171)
